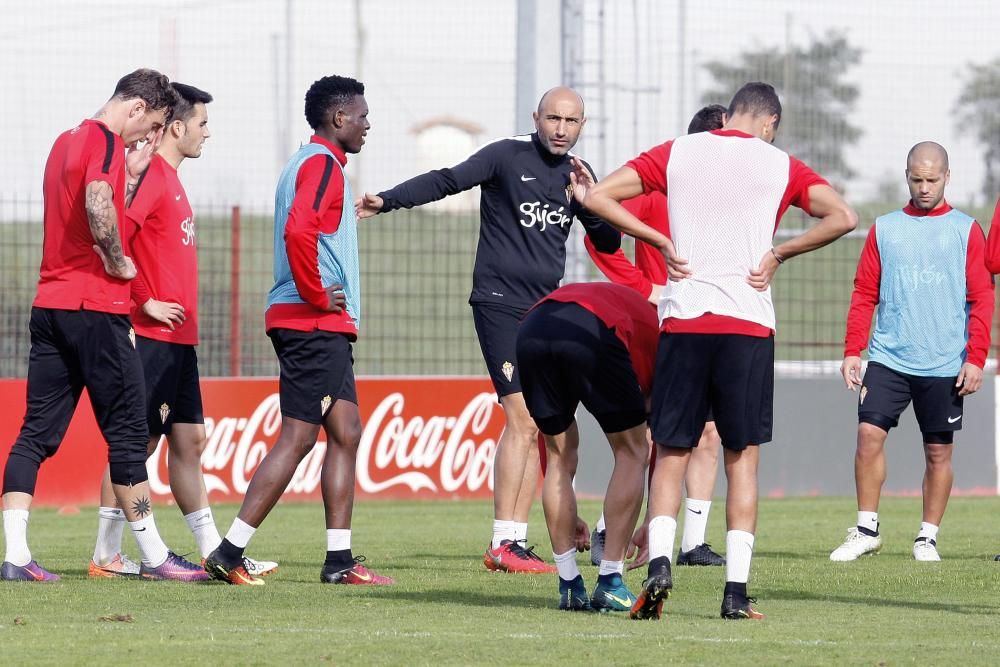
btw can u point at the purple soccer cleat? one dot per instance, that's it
(174, 568)
(30, 572)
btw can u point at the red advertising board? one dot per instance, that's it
(427, 437)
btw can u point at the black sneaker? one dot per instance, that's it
(735, 606)
(655, 590)
(573, 595)
(597, 546)
(700, 555)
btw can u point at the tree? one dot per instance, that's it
(977, 112)
(815, 99)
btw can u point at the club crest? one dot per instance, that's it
(131, 337)
(324, 404)
(864, 392)
(508, 370)
(164, 413)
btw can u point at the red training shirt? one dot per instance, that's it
(649, 268)
(72, 275)
(651, 166)
(317, 209)
(979, 288)
(624, 310)
(164, 253)
(993, 242)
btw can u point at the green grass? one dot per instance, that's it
(446, 609)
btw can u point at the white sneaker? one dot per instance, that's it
(259, 568)
(925, 549)
(856, 545)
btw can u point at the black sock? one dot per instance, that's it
(230, 553)
(736, 588)
(658, 564)
(339, 560)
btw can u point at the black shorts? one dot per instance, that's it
(731, 374)
(73, 349)
(567, 355)
(885, 393)
(173, 392)
(496, 327)
(317, 370)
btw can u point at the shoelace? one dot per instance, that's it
(527, 553)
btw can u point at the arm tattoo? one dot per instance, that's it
(141, 507)
(104, 221)
(130, 189)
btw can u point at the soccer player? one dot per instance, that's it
(726, 192)
(526, 212)
(923, 267)
(313, 315)
(592, 343)
(80, 330)
(165, 318)
(647, 276)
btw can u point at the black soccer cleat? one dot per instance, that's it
(700, 555)
(736, 607)
(655, 590)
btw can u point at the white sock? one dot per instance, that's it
(566, 564)
(151, 546)
(600, 523)
(240, 533)
(928, 530)
(338, 539)
(739, 552)
(611, 567)
(502, 530)
(206, 535)
(15, 531)
(662, 531)
(520, 532)
(695, 523)
(110, 526)
(868, 520)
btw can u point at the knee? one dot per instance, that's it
(346, 436)
(938, 457)
(870, 440)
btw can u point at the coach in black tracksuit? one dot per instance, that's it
(526, 210)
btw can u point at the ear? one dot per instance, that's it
(138, 108)
(337, 118)
(177, 128)
(535, 117)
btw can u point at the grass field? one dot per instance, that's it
(446, 609)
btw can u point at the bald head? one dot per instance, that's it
(927, 174)
(559, 119)
(927, 152)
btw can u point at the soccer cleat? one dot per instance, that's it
(700, 555)
(175, 568)
(510, 556)
(735, 607)
(120, 566)
(655, 590)
(236, 575)
(256, 568)
(30, 572)
(925, 549)
(856, 545)
(573, 595)
(611, 594)
(597, 546)
(356, 574)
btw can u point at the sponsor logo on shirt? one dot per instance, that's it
(187, 229)
(536, 214)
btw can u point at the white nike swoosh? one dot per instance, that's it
(178, 197)
(527, 178)
(952, 420)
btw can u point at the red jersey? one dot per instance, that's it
(652, 168)
(164, 252)
(650, 268)
(319, 202)
(993, 242)
(627, 313)
(72, 275)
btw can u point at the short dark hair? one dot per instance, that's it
(187, 97)
(758, 99)
(707, 119)
(327, 94)
(149, 86)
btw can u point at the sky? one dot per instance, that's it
(59, 60)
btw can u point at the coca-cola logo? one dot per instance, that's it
(436, 454)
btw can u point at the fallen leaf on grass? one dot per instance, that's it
(19, 621)
(117, 618)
